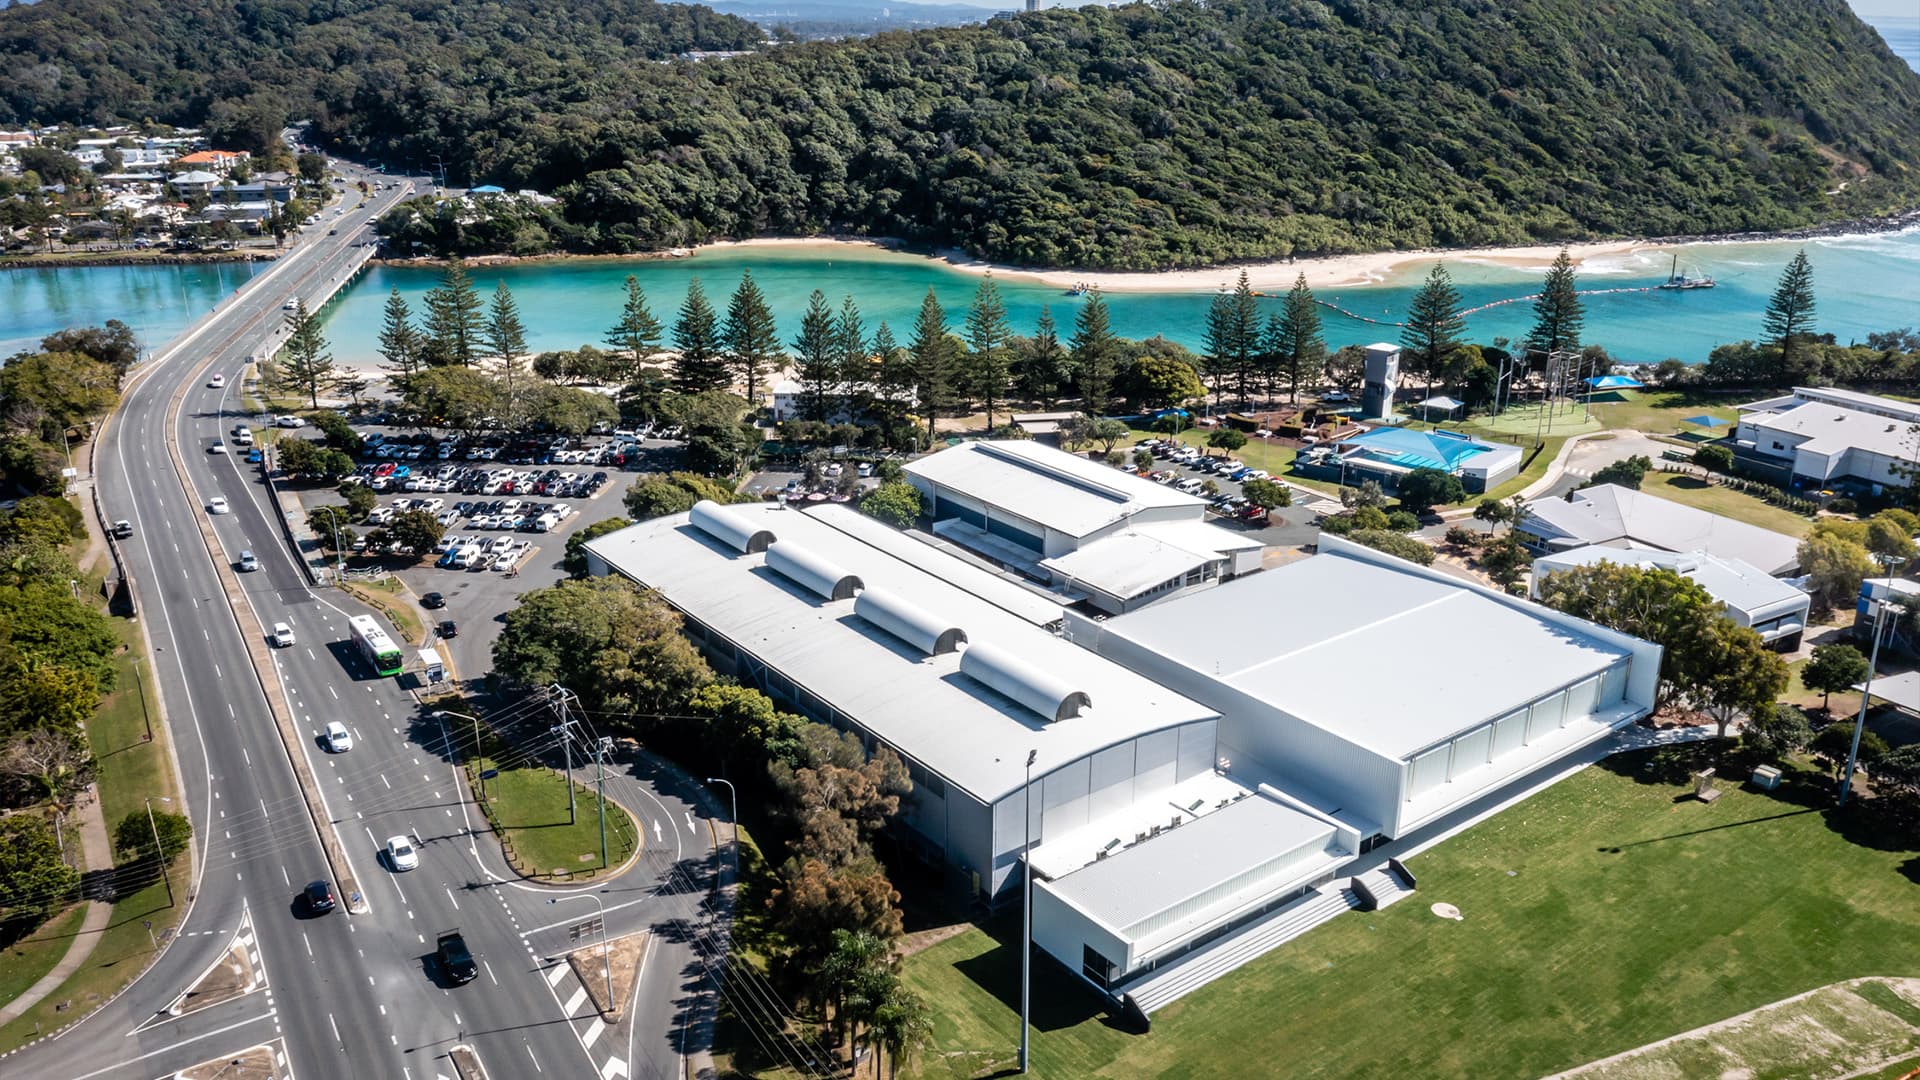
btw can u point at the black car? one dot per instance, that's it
(319, 897)
(449, 628)
(433, 601)
(455, 959)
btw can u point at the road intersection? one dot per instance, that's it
(348, 994)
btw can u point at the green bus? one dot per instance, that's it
(375, 645)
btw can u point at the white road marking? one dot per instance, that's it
(690, 825)
(285, 878)
(573, 1002)
(556, 973)
(656, 831)
(490, 974)
(309, 944)
(334, 1026)
(536, 1061)
(335, 693)
(593, 1031)
(456, 903)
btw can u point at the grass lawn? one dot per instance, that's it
(1603, 914)
(1723, 500)
(528, 807)
(130, 770)
(25, 961)
(384, 594)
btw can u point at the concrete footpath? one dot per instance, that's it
(97, 854)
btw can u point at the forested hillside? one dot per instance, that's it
(1136, 137)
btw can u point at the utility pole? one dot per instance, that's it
(161, 855)
(565, 730)
(604, 747)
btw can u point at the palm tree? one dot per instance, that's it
(902, 1025)
(854, 953)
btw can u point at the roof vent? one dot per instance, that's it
(1024, 682)
(908, 621)
(811, 572)
(730, 527)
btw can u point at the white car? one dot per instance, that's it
(217, 381)
(338, 739)
(289, 422)
(218, 447)
(218, 505)
(282, 636)
(401, 855)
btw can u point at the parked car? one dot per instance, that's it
(255, 457)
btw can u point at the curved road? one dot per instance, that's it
(346, 995)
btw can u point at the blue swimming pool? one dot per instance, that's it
(1441, 450)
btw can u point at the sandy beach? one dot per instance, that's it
(1326, 272)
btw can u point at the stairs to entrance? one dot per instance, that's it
(1383, 886)
(1160, 988)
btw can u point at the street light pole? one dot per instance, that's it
(481, 772)
(1026, 915)
(600, 760)
(1866, 695)
(157, 852)
(733, 799)
(606, 951)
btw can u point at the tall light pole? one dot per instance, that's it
(733, 799)
(481, 772)
(1026, 915)
(157, 852)
(1866, 689)
(606, 951)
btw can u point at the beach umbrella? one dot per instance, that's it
(1705, 421)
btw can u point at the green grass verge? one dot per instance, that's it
(528, 810)
(26, 960)
(1603, 914)
(130, 770)
(1737, 505)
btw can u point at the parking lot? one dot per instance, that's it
(508, 506)
(1189, 469)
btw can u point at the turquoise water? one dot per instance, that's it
(1864, 284)
(157, 301)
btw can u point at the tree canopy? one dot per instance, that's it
(1142, 136)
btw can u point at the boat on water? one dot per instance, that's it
(1678, 280)
(1080, 289)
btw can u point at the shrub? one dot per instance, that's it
(1460, 536)
(1716, 458)
(1404, 521)
(895, 502)
(1393, 543)
(1842, 505)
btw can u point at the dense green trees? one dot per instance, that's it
(933, 350)
(752, 346)
(615, 645)
(453, 330)
(1833, 667)
(34, 881)
(896, 502)
(696, 334)
(1141, 136)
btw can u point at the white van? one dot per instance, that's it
(546, 522)
(467, 557)
(1190, 485)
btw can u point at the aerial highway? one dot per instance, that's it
(346, 994)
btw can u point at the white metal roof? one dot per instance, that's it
(1901, 690)
(956, 726)
(1150, 877)
(1128, 564)
(1609, 512)
(1733, 582)
(1833, 429)
(1377, 651)
(1062, 491)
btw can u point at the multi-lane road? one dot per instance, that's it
(347, 994)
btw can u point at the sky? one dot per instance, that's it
(1873, 9)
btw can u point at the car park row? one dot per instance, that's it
(1200, 465)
